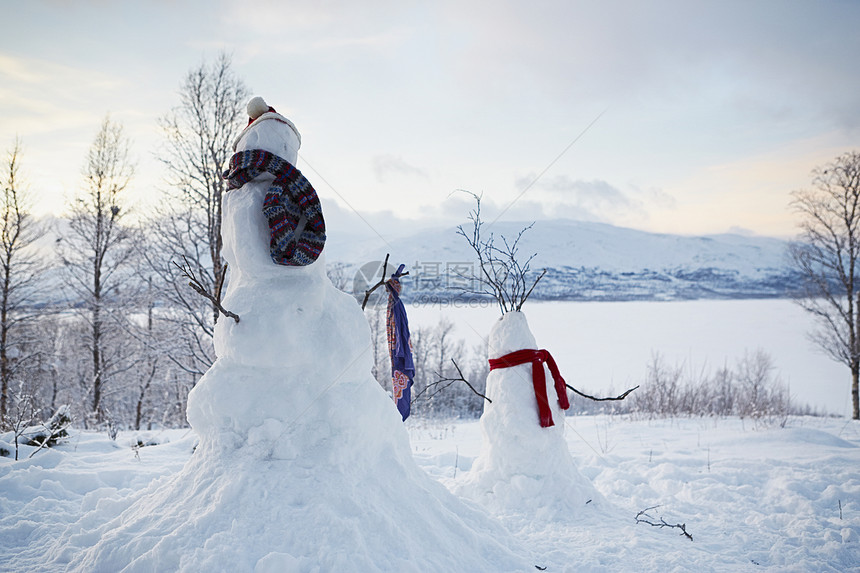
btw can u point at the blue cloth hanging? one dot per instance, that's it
(399, 346)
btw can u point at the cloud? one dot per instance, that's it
(737, 230)
(596, 193)
(594, 200)
(728, 56)
(332, 27)
(386, 166)
(42, 96)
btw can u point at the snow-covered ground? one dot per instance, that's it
(298, 462)
(753, 498)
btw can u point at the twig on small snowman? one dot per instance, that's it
(643, 517)
(504, 274)
(198, 287)
(621, 397)
(437, 385)
(381, 282)
(443, 382)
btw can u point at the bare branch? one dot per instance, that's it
(437, 385)
(643, 517)
(194, 283)
(383, 281)
(620, 397)
(528, 294)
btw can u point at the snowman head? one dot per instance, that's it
(270, 131)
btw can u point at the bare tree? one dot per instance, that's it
(442, 348)
(376, 319)
(96, 252)
(149, 341)
(750, 390)
(421, 338)
(827, 256)
(199, 135)
(20, 271)
(761, 395)
(19, 420)
(168, 240)
(445, 346)
(50, 343)
(445, 385)
(337, 274)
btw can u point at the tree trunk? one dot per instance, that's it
(54, 389)
(855, 391)
(139, 410)
(4, 354)
(4, 374)
(97, 370)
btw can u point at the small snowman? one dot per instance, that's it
(525, 466)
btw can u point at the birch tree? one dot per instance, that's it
(20, 273)
(96, 253)
(199, 134)
(826, 255)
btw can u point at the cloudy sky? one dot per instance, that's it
(669, 116)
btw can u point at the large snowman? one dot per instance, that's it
(303, 463)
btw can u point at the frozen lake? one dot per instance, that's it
(603, 346)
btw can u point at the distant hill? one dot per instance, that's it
(584, 261)
(587, 261)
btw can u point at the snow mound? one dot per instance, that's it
(235, 512)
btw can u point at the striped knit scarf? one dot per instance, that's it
(289, 197)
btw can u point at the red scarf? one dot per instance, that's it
(537, 358)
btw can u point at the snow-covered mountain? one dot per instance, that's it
(584, 261)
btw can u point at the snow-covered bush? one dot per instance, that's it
(759, 393)
(437, 351)
(52, 432)
(143, 440)
(439, 391)
(749, 390)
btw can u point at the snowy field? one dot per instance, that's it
(604, 346)
(752, 498)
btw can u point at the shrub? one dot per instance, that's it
(52, 432)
